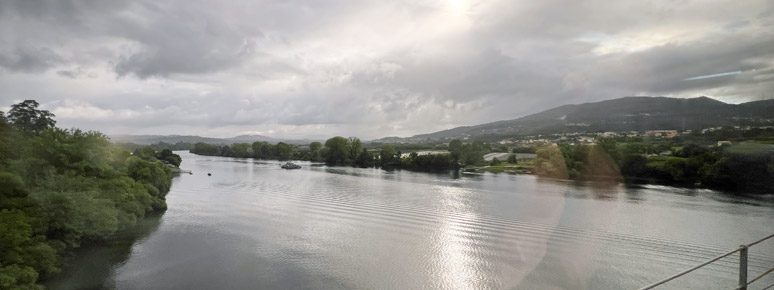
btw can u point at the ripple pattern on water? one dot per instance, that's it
(254, 225)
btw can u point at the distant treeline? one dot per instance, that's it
(351, 152)
(160, 146)
(678, 161)
(59, 188)
(717, 167)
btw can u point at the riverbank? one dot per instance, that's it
(60, 189)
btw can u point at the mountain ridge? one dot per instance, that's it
(633, 113)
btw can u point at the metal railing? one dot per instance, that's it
(743, 282)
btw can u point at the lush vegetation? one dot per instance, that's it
(160, 146)
(59, 188)
(688, 160)
(724, 168)
(352, 152)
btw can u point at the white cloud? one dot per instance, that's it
(366, 68)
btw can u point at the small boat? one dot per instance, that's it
(209, 174)
(290, 165)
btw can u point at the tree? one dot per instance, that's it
(315, 151)
(355, 148)
(206, 149)
(550, 163)
(388, 156)
(495, 162)
(337, 150)
(145, 153)
(26, 117)
(455, 147)
(262, 150)
(168, 156)
(474, 153)
(512, 159)
(227, 151)
(635, 168)
(365, 159)
(60, 187)
(284, 151)
(2, 117)
(242, 150)
(610, 146)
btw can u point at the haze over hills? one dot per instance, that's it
(623, 114)
(172, 139)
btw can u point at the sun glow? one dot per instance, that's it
(457, 12)
(456, 4)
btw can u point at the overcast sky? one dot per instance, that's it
(316, 69)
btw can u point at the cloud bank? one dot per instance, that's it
(294, 69)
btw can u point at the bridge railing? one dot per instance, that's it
(743, 281)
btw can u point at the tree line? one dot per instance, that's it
(59, 188)
(690, 165)
(352, 152)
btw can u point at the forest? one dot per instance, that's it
(739, 169)
(60, 188)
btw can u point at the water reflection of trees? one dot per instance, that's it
(92, 265)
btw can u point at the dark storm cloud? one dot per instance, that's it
(347, 67)
(29, 60)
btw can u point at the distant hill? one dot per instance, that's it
(623, 114)
(172, 139)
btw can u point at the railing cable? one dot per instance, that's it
(761, 276)
(670, 278)
(743, 282)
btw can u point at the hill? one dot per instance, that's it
(623, 114)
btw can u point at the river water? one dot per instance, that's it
(253, 225)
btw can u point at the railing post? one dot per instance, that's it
(742, 267)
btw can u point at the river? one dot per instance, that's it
(253, 225)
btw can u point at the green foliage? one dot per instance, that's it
(16, 277)
(284, 151)
(261, 150)
(206, 149)
(26, 117)
(468, 154)
(495, 162)
(577, 162)
(364, 159)
(315, 151)
(169, 157)
(59, 187)
(355, 148)
(150, 172)
(512, 159)
(12, 192)
(337, 150)
(747, 171)
(428, 161)
(145, 153)
(550, 163)
(227, 151)
(634, 168)
(242, 150)
(388, 156)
